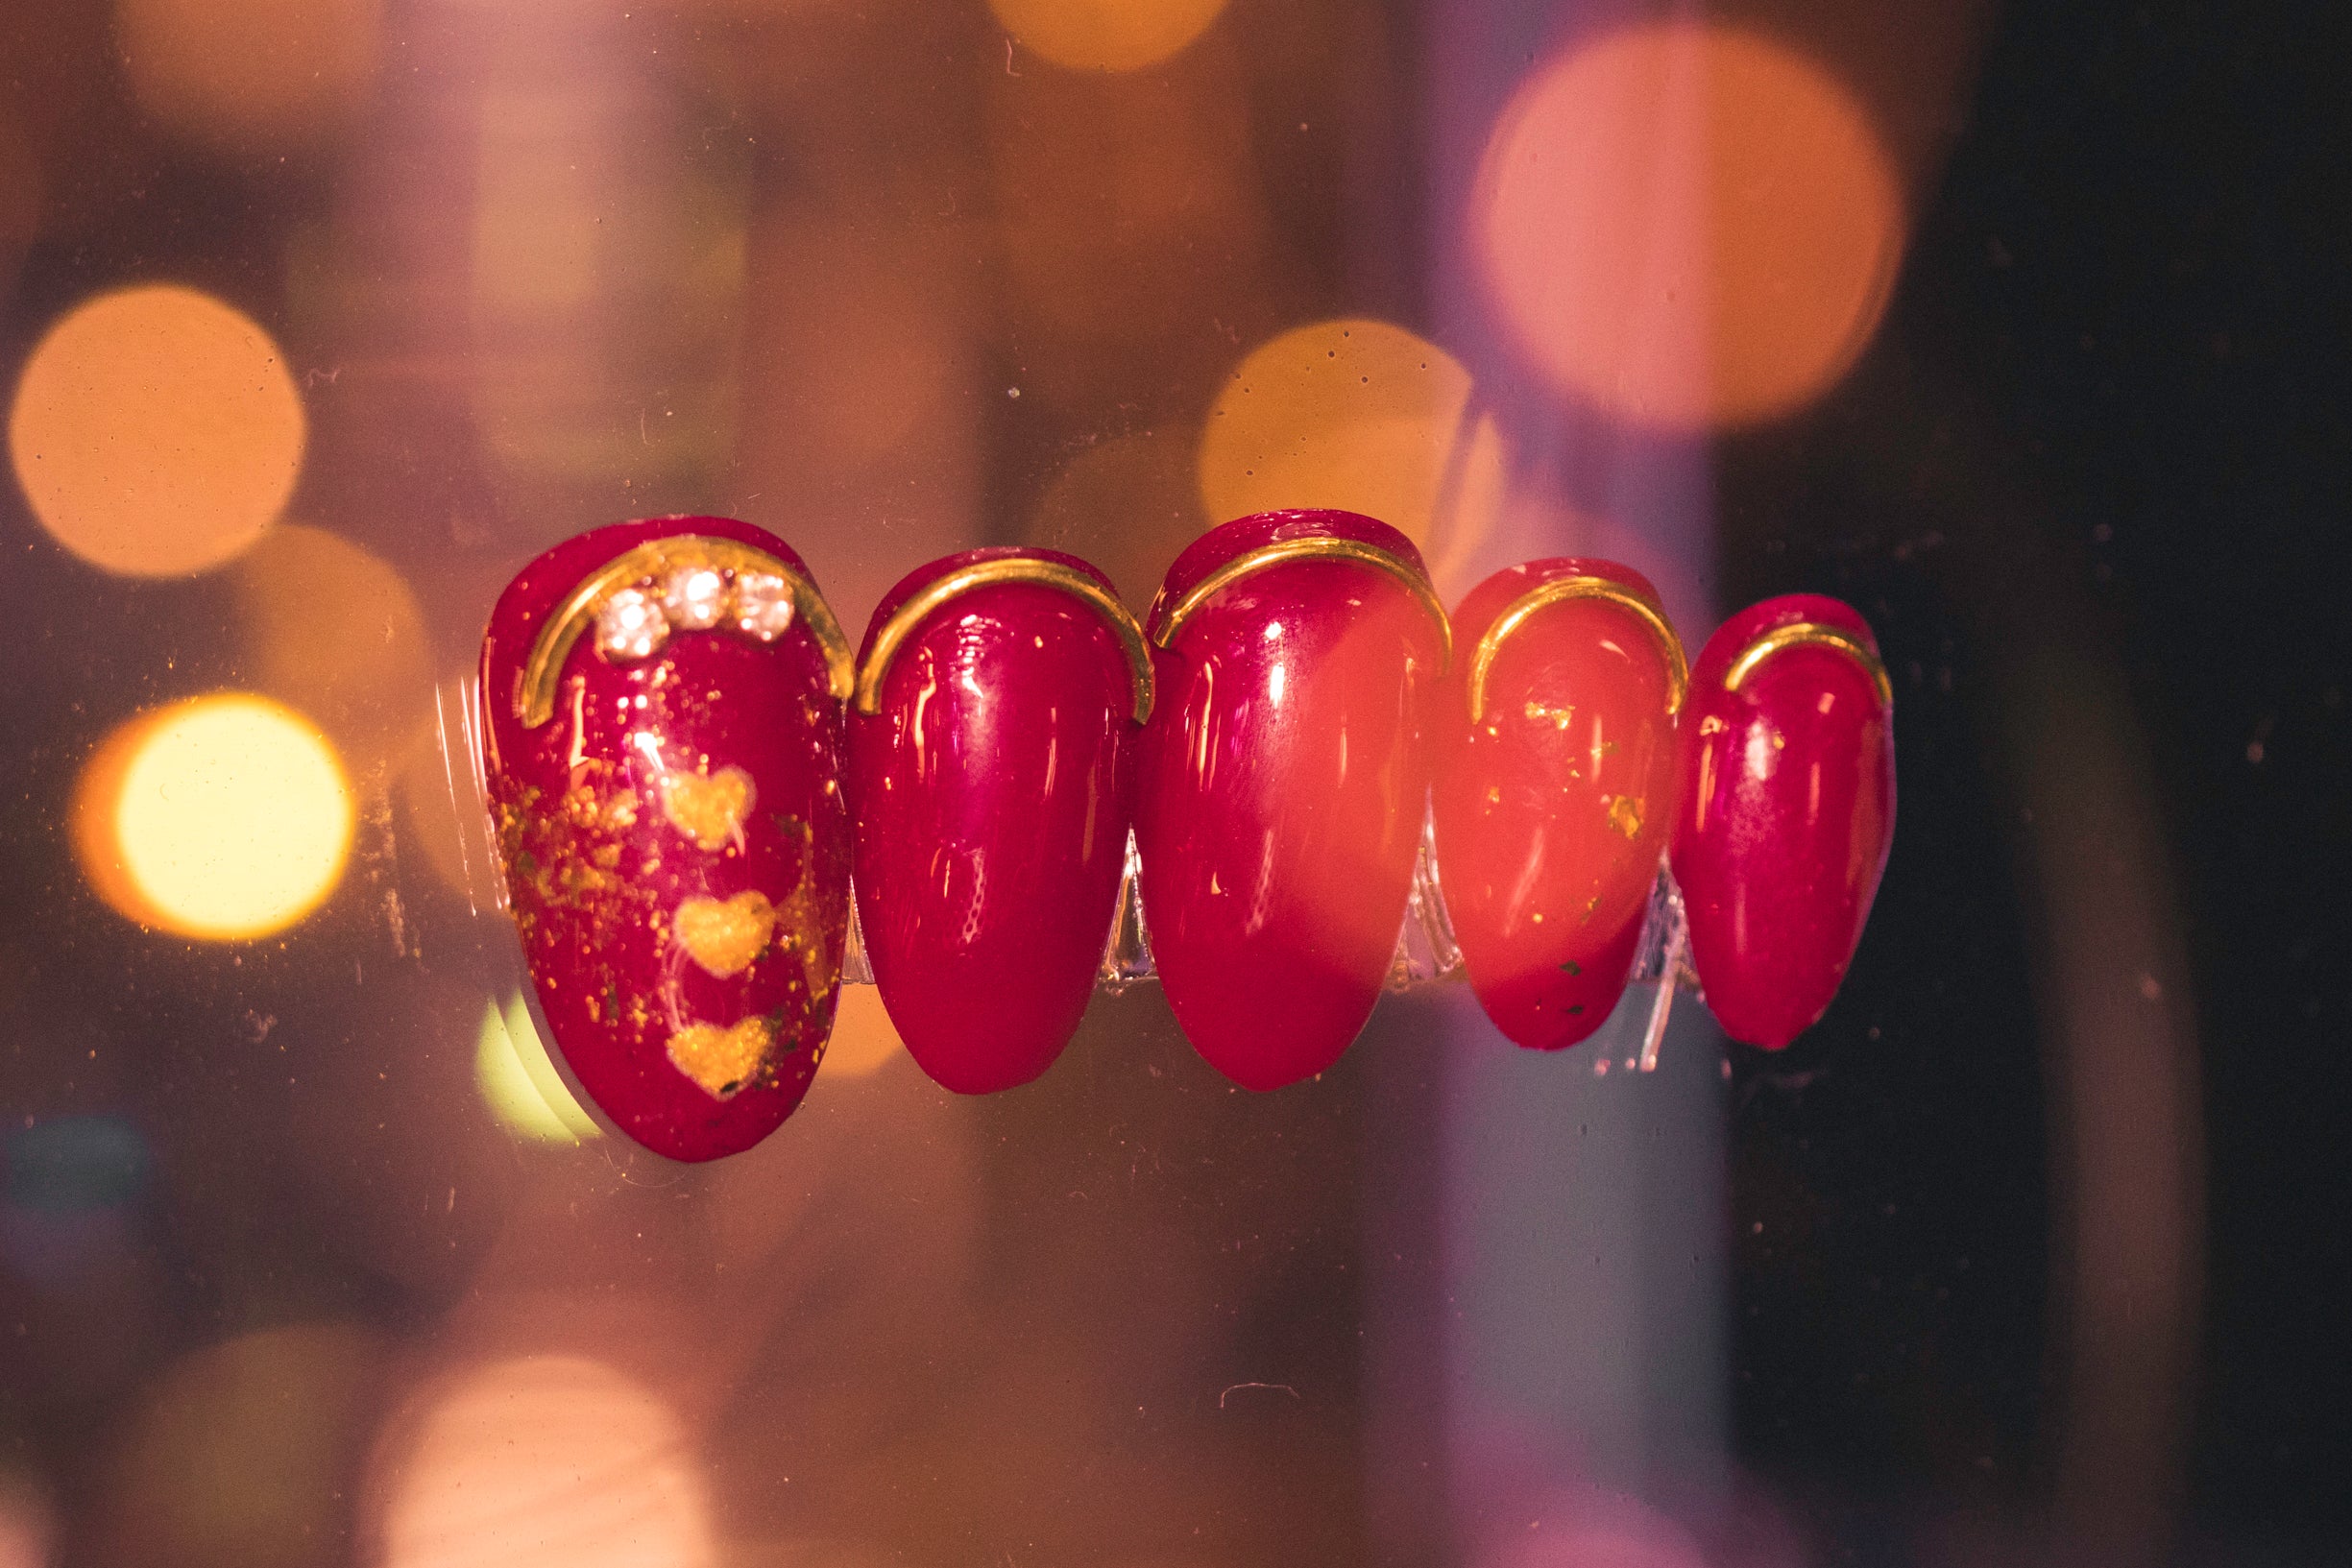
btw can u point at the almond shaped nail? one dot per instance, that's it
(1558, 789)
(1788, 810)
(1283, 780)
(662, 734)
(991, 748)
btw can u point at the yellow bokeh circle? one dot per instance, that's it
(1361, 416)
(1105, 35)
(156, 431)
(225, 818)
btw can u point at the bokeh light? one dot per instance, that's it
(517, 1080)
(1360, 415)
(1105, 35)
(863, 1037)
(249, 75)
(156, 431)
(223, 817)
(28, 1524)
(336, 632)
(239, 1455)
(1689, 225)
(545, 1461)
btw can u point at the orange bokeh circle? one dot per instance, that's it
(1688, 225)
(156, 431)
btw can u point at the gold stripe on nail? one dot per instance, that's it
(1288, 550)
(651, 563)
(1810, 633)
(1565, 590)
(910, 617)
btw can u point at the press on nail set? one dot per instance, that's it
(706, 806)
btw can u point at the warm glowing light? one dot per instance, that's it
(223, 817)
(1689, 225)
(549, 1461)
(156, 431)
(240, 1448)
(249, 75)
(1359, 415)
(863, 1037)
(1105, 35)
(28, 1525)
(336, 632)
(517, 1080)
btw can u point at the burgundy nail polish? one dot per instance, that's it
(991, 753)
(1558, 791)
(1282, 783)
(662, 722)
(1788, 810)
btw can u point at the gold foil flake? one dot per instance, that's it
(804, 918)
(1625, 816)
(1560, 718)
(725, 935)
(562, 850)
(723, 1062)
(711, 810)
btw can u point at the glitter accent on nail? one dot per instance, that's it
(696, 598)
(630, 625)
(723, 1062)
(762, 606)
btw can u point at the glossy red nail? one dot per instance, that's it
(1788, 810)
(1558, 791)
(1283, 780)
(1000, 693)
(662, 723)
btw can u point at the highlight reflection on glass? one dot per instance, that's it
(156, 431)
(223, 817)
(517, 1080)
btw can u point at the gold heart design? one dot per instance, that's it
(723, 1062)
(709, 811)
(724, 935)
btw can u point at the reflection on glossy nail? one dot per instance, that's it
(1788, 810)
(1558, 789)
(990, 785)
(673, 833)
(1283, 781)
